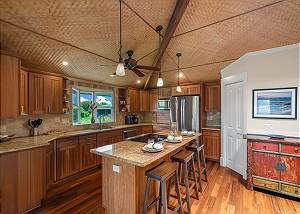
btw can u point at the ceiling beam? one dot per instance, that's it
(178, 12)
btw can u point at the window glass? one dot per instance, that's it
(86, 98)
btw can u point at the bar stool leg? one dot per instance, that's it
(178, 193)
(204, 164)
(199, 170)
(187, 188)
(195, 179)
(146, 196)
(164, 197)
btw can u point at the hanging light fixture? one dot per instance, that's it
(178, 88)
(160, 81)
(120, 71)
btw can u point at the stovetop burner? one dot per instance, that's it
(144, 138)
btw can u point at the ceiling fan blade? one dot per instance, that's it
(148, 67)
(138, 72)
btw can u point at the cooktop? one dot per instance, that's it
(144, 138)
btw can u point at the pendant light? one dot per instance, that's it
(160, 81)
(178, 88)
(120, 71)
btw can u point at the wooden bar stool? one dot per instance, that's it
(198, 150)
(183, 158)
(163, 173)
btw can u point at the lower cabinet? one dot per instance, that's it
(22, 180)
(87, 159)
(211, 140)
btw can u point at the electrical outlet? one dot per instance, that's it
(116, 168)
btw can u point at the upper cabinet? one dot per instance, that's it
(144, 101)
(213, 97)
(153, 99)
(23, 92)
(9, 86)
(133, 102)
(164, 93)
(187, 90)
(45, 94)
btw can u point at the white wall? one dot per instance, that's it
(272, 68)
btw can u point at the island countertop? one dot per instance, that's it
(131, 152)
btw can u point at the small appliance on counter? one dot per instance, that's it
(34, 124)
(131, 119)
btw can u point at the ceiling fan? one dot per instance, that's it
(131, 64)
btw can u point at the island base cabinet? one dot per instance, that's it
(22, 180)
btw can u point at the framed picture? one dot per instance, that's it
(275, 103)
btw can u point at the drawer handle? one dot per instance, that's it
(265, 184)
(296, 150)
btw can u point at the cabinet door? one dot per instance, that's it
(23, 92)
(144, 101)
(9, 86)
(164, 93)
(36, 93)
(153, 100)
(146, 129)
(53, 94)
(50, 164)
(212, 146)
(264, 165)
(133, 100)
(87, 159)
(291, 174)
(213, 98)
(67, 153)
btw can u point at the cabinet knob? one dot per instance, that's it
(296, 191)
(264, 147)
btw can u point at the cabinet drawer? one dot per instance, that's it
(265, 146)
(210, 132)
(290, 189)
(265, 183)
(290, 149)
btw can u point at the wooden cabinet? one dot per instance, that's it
(187, 90)
(50, 164)
(144, 101)
(109, 137)
(211, 141)
(164, 93)
(274, 165)
(53, 94)
(133, 100)
(23, 92)
(213, 97)
(153, 99)
(146, 129)
(87, 159)
(9, 86)
(45, 94)
(68, 159)
(22, 180)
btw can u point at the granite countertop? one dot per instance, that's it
(265, 138)
(23, 143)
(131, 151)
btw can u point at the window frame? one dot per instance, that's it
(94, 92)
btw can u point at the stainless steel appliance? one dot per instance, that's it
(163, 104)
(128, 133)
(185, 112)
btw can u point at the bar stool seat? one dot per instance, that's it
(183, 158)
(163, 173)
(198, 149)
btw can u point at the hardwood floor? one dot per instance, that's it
(224, 193)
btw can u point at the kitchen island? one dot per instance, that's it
(123, 172)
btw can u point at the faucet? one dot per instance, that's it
(101, 119)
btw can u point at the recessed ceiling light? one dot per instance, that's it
(138, 81)
(180, 74)
(65, 63)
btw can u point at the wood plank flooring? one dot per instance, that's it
(224, 193)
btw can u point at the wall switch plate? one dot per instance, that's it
(116, 168)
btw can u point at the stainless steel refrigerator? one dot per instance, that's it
(185, 112)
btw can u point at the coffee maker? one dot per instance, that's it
(131, 119)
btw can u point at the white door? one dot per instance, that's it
(236, 146)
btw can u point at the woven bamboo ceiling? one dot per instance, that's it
(210, 35)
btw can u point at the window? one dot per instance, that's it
(81, 101)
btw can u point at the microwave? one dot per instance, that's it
(163, 104)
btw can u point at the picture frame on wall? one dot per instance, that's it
(275, 103)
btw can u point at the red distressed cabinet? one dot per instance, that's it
(274, 165)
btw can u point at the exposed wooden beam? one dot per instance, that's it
(178, 12)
